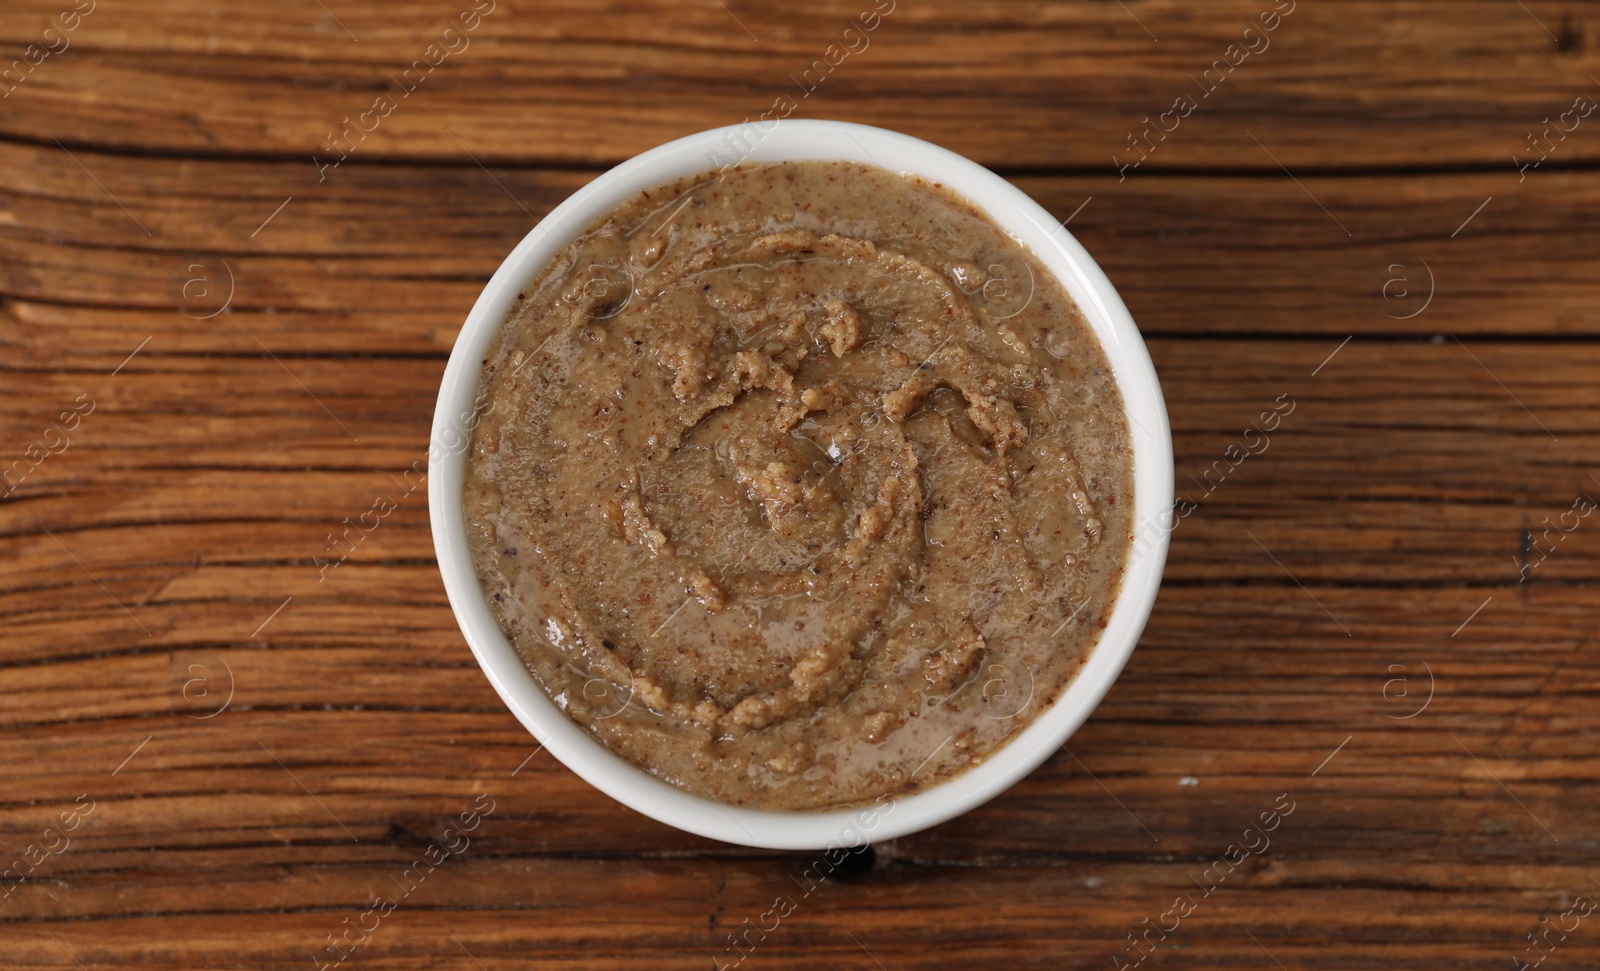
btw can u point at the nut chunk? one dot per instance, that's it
(842, 329)
(777, 486)
(998, 417)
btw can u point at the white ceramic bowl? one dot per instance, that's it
(780, 141)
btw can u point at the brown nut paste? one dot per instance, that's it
(800, 485)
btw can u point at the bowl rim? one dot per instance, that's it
(1019, 216)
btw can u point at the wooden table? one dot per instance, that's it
(218, 754)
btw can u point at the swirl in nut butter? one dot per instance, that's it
(800, 485)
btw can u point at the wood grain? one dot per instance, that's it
(388, 260)
(1034, 85)
(1368, 617)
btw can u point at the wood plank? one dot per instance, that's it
(1335, 85)
(1400, 463)
(389, 260)
(1243, 692)
(556, 916)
